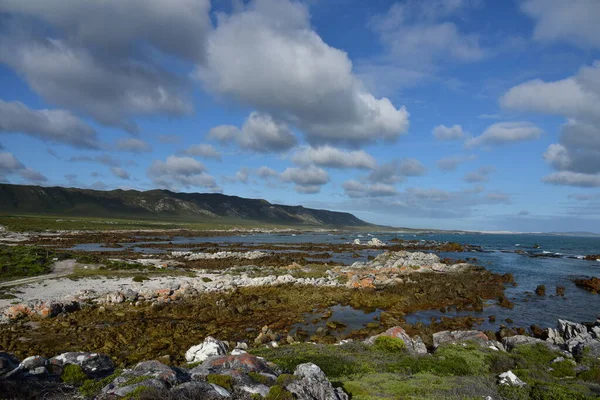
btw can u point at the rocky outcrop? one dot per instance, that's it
(93, 364)
(312, 384)
(248, 255)
(508, 378)
(461, 337)
(211, 347)
(519, 340)
(590, 284)
(406, 262)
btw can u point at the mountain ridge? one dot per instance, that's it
(161, 203)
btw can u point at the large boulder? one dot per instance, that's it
(93, 364)
(312, 384)
(211, 347)
(519, 340)
(414, 346)
(148, 374)
(236, 364)
(460, 337)
(508, 378)
(569, 330)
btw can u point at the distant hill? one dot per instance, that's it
(21, 199)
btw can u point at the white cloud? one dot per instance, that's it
(57, 126)
(577, 155)
(266, 172)
(203, 150)
(133, 145)
(499, 197)
(396, 171)
(104, 159)
(260, 133)
(9, 165)
(504, 133)
(120, 172)
(452, 162)
(177, 172)
(482, 174)
(290, 73)
(169, 138)
(442, 132)
(569, 178)
(327, 156)
(575, 21)
(110, 74)
(356, 189)
(307, 179)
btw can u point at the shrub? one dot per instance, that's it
(140, 278)
(206, 279)
(389, 344)
(285, 379)
(73, 375)
(91, 387)
(563, 369)
(221, 380)
(259, 377)
(278, 393)
(591, 375)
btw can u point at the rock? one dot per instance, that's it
(209, 348)
(591, 285)
(93, 364)
(190, 390)
(242, 363)
(122, 391)
(158, 371)
(458, 337)
(508, 378)
(115, 298)
(375, 243)
(8, 362)
(518, 340)
(313, 385)
(356, 242)
(34, 362)
(413, 346)
(569, 330)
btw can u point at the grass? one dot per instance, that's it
(23, 261)
(221, 380)
(91, 388)
(73, 375)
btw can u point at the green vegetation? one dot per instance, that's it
(140, 278)
(385, 371)
(278, 393)
(389, 344)
(221, 380)
(73, 375)
(137, 392)
(90, 387)
(20, 261)
(259, 378)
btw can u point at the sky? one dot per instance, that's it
(448, 114)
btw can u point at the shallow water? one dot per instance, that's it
(498, 256)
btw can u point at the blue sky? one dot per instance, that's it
(452, 114)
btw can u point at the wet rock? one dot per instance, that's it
(8, 362)
(312, 384)
(540, 290)
(508, 378)
(209, 348)
(414, 346)
(457, 337)
(93, 364)
(591, 285)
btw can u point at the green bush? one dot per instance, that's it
(73, 375)
(221, 380)
(563, 369)
(18, 261)
(553, 391)
(140, 278)
(259, 377)
(91, 387)
(389, 344)
(278, 393)
(286, 379)
(591, 375)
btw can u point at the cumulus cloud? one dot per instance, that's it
(104, 159)
(120, 173)
(133, 145)
(452, 162)
(504, 133)
(442, 132)
(9, 165)
(181, 172)
(202, 150)
(577, 154)
(396, 171)
(573, 22)
(169, 139)
(327, 156)
(111, 74)
(356, 189)
(306, 179)
(242, 176)
(56, 126)
(292, 74)
(266, 172)
(419, 32)
(260, 133)
(482, 174)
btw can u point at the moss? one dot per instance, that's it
(194, 364)
(73, 375)
(136, 379)
(206, 279)
(389, 344)
(278, 393)
(265, 380)
(140, 278)
(286, 379)
(221, 380)
(92, 387)
(255, 396)
(137, 393)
